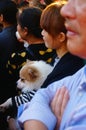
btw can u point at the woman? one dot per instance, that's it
(34, 48)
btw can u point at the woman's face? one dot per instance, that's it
(50, 42)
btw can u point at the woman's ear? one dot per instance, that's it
(62, 37)
(25, 31)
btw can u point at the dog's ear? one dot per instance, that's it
(33, 74)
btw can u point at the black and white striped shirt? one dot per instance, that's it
(24, 97)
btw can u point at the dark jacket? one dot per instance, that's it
(67, 65)
(8, 44)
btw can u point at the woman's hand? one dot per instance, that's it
(59, 103)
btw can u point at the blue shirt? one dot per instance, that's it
(74, 117)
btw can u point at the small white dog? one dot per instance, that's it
(32, 75)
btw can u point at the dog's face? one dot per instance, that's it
(33, 74)
(28, 74)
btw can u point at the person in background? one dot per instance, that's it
(22, 5)
(1, 27)
(54, 35)
(47, 2)
(38, 3)
(17, 1)
(8, 44)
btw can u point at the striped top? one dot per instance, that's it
(24, 97)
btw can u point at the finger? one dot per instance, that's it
(54, 100)
(59, 100)
(65, 101)
(61, 104)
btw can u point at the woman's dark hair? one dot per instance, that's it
(9, 10)
(23, 4)
(51, 19)
(30, 18)
(48, 2)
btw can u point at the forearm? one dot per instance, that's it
(12, 124)
(34, 125)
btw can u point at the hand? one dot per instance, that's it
(12, 124)
(4, 106)
(59, 103)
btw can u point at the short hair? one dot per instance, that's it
(9, 10)
(23, 4)
(30, 18)
(51, 19)
(48, 2)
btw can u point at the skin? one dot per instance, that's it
(21, 31)
(59, 103)
(74, 13)
(28, 125)
(58, 42)
(51, 42)
(12, 124)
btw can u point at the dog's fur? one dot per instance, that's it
(32, 75)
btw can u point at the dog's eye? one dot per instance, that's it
(22, 80)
